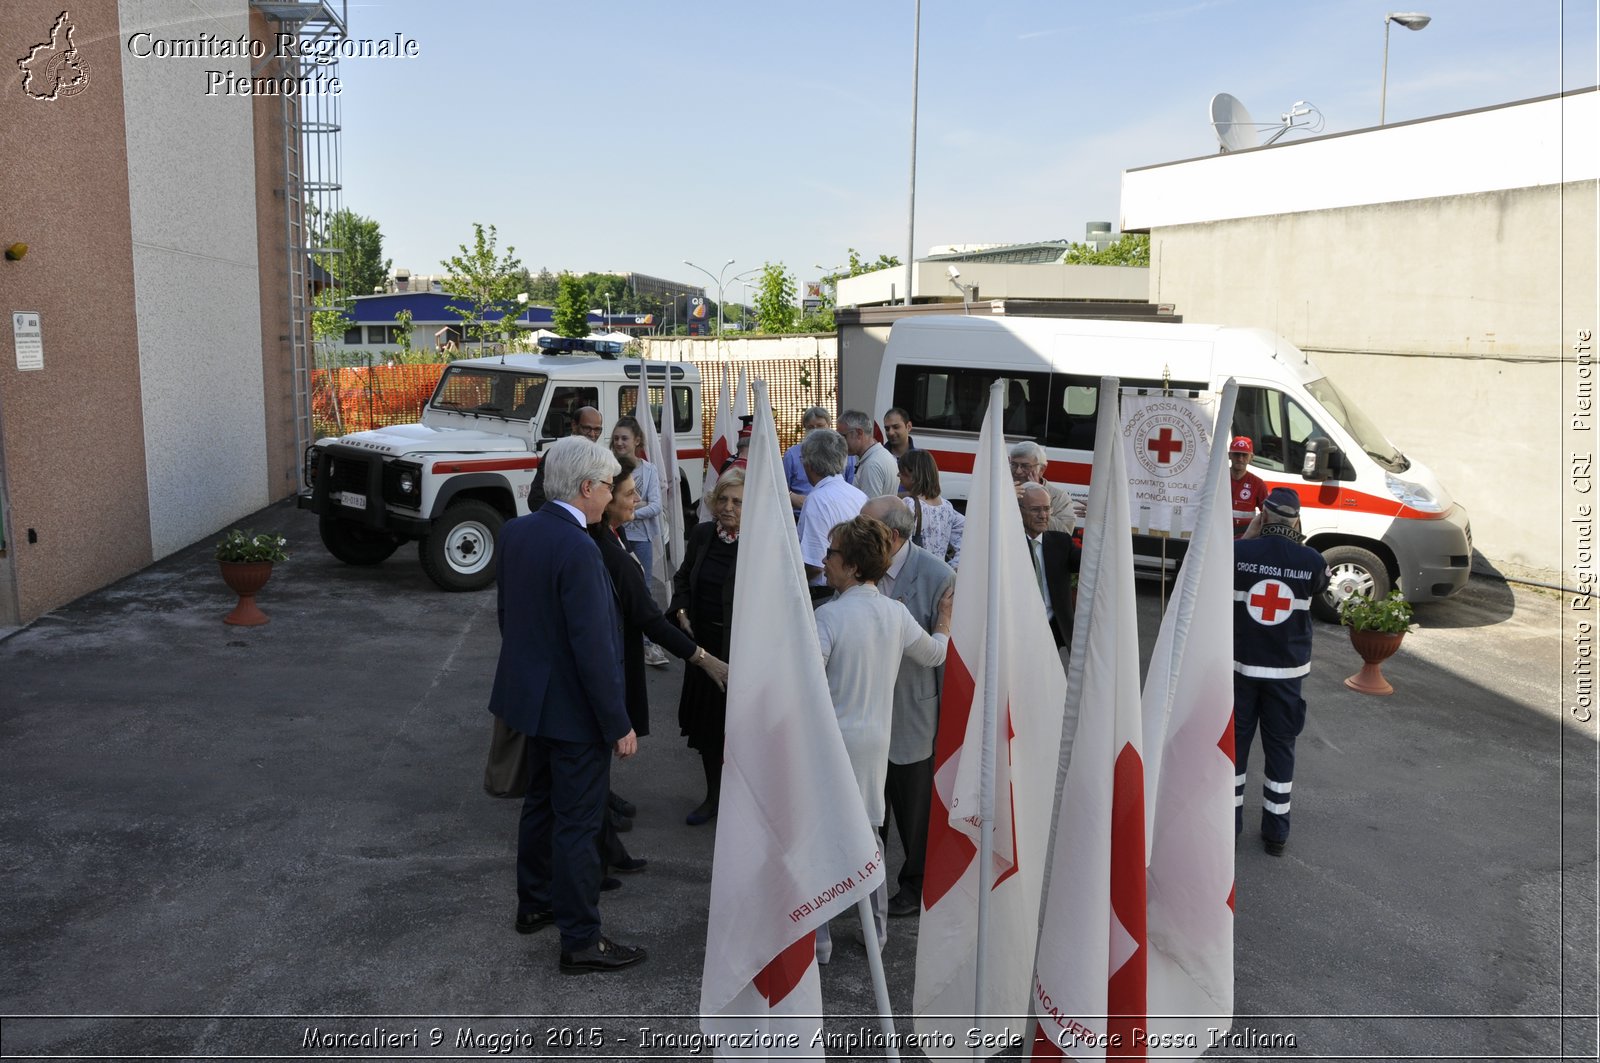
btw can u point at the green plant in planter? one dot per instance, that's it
(246, 546)
(1391, 615)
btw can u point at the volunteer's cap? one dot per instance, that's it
(1283, 501)
(1241, 445)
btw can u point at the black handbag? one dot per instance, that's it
(506, 772)
(916, 538)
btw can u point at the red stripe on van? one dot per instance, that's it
(1312, 496)
(511, 465)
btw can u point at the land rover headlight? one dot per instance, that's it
(1414, 495)
(408, 483)
(309, 471)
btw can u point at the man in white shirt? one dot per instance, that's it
(877, 471)
(831, 501)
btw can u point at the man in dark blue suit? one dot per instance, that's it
(560, 682)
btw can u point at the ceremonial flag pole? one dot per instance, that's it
(724, 440)
(662, 449)
(1089, 995)
(995, 757)
(991, 745)
(1188, 736)
(794, 846)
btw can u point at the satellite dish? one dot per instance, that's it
(1236, 131)
(1234, 128)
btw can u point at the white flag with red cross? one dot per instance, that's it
(1189, 777)
(1167, 446)
(998, 605)
(1089, 987)
(794, 847)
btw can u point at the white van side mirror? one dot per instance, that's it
(1320, 456)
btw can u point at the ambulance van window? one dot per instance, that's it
(1074, 404)
(682, 405)
(1277, 424)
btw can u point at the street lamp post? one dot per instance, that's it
(718, 278)
(1411, 20)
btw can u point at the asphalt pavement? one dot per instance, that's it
(252, 842)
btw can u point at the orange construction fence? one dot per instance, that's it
(355, 399)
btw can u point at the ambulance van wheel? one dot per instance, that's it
(1352, 571)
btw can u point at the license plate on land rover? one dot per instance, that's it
(351, 500)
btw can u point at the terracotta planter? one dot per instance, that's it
(245, 578)
(1375, 647)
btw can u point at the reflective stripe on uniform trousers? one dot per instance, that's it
(1272, 786)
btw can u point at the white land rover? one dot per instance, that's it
(451, 482)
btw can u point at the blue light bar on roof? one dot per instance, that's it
(574, 345)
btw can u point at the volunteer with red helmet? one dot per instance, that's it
(1249, 490)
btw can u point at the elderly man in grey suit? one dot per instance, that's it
(917, 580)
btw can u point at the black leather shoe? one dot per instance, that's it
(603, 955)
(631, 865)
(621, 823)
(903, 904)
(608, 884)
(532, 922)
(1273, 848)
(623, 807)
(704, 813)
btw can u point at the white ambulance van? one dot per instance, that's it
(1380, 519)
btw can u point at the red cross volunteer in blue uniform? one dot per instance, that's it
(1275, 577)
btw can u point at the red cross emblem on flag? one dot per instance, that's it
(1164, 446)
(1270, 602)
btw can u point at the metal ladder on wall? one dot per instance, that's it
(309, 130)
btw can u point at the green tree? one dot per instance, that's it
(572, 307)
(1129, 249)
(351, 264)
(487, 282)
(358, 264)
(775, 309)
(542, 287)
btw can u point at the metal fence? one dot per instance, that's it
(358, 398)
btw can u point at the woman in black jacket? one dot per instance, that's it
(640, 615)
(702, 604)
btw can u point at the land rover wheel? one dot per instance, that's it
(459, 554)
(354, 543)
(1353, 571)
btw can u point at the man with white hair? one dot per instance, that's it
(794, 469)
(917, 580)
(559, 681)
(877, 471)
(1028, 463)
(831, 501)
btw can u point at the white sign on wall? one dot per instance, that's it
(29, 339)
(1168, 441)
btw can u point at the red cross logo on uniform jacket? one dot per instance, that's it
(1270, 602)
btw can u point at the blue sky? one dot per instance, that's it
(633, 135)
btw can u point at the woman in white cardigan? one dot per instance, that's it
(864, 635)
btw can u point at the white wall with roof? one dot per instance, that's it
(1439, 270)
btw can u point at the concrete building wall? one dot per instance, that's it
(192, 192)
(277, 355)
(1448, 320)
(930, 281)
(747, 348)
(76, 505)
